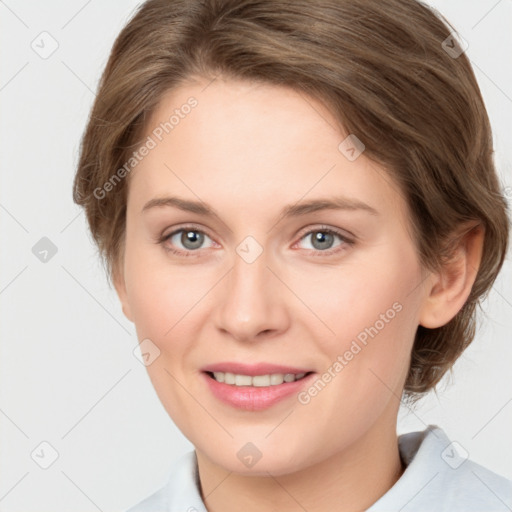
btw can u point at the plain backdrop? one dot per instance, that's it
(68, 376)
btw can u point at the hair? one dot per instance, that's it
(384, 70)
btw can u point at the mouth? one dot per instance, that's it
(257, 387)
(267, 380)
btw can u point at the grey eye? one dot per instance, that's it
(190, 239)
(321, 239)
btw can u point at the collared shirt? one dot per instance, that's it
(438, 478)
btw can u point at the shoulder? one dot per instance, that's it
(154, 502)
(477, 488)
(180, 493)
(439, 476)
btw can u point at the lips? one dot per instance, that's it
(254, 369)
(252, 398)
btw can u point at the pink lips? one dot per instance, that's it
(253, 369)
(254, 398)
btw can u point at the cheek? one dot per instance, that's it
(154, 295)
(352, 298)
(371, 313)
(150, 300)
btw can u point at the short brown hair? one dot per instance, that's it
(384, 69)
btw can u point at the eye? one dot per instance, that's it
(190, 239)
(323, 239)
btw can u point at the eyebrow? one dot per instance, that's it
(294, 210)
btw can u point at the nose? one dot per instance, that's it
(251, 305)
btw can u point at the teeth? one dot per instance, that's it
(273, 379)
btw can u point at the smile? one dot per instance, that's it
(273, 379)
(255, 392)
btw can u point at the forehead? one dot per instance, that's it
(275, 123)
(244, 144)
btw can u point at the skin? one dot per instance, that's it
(248, 150)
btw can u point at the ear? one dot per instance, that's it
(120, 286)
(449, 289)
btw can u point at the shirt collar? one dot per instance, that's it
(436, 477)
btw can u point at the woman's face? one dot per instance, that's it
(267, 282)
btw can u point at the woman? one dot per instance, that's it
(298, 208)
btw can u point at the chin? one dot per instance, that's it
(251, 461)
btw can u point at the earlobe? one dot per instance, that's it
(120, 286)
(449, 289)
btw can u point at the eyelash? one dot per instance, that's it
(346, 241)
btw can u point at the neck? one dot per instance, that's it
(348, 481)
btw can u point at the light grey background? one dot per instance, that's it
(68, 374)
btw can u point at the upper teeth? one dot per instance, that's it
(258, 380)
